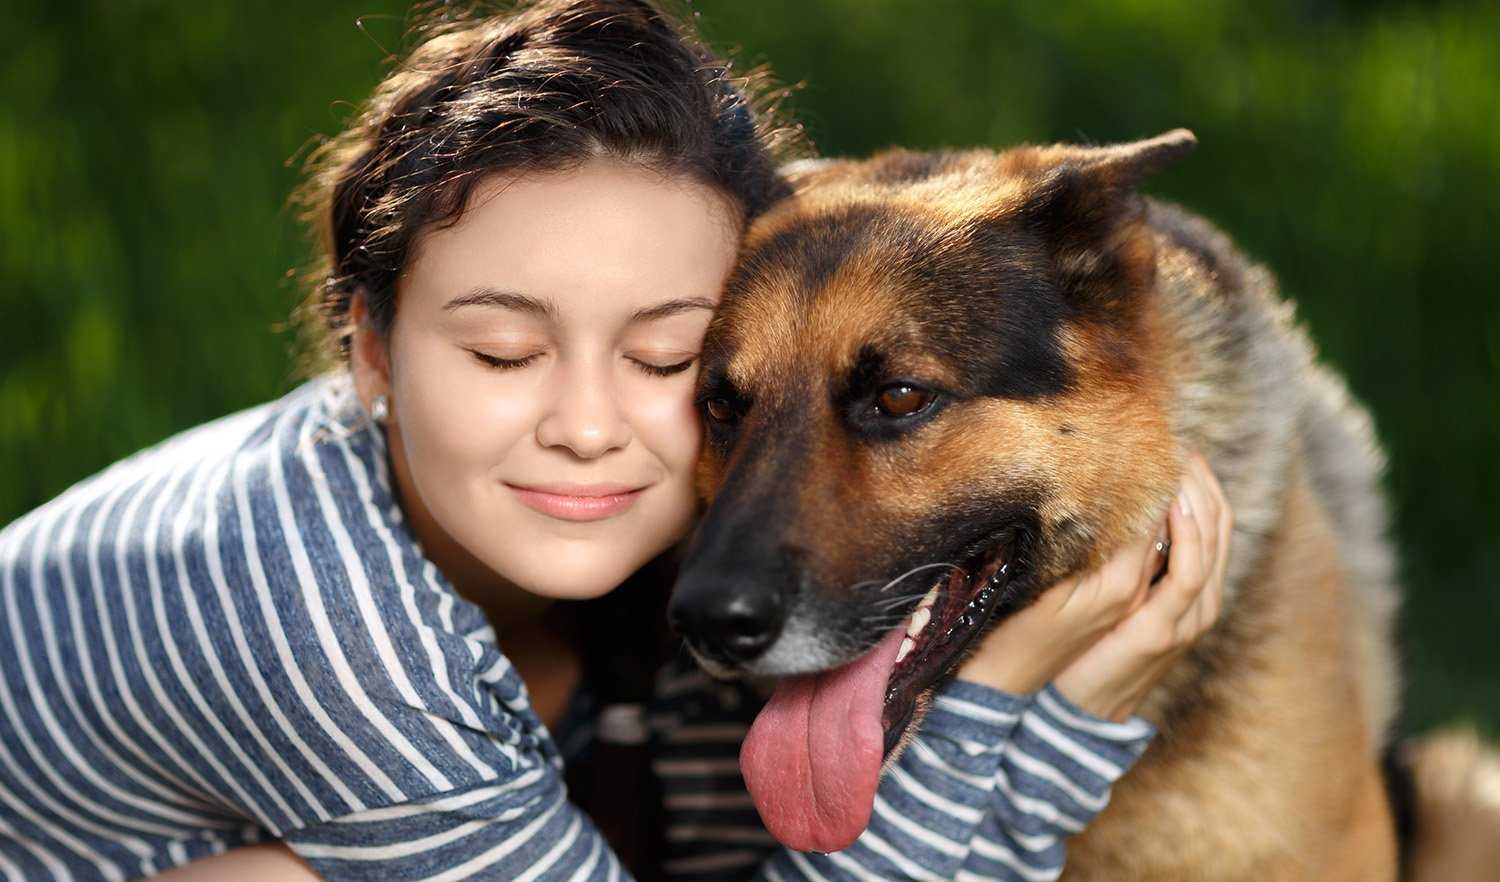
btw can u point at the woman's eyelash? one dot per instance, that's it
(496, 361)
(665, 370)
(655, 370)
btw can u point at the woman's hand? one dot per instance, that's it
(1115, 674)
(1109, 635)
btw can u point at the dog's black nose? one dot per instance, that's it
(727, 622)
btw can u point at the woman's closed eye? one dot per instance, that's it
(502, 362)
(663, 365)
(660, 367)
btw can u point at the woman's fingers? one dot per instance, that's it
(1198, 483)
(1185, 564)
(1152, 563)
(1226, 533)
(1134, 566)
(1215, 522)
(1222, 526)
(1226, 529)
(1109, 590)
(1205, 612)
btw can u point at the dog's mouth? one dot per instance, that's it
(940, 629)
(813, 757)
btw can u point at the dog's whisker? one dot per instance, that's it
(918, 593)
(887, 586)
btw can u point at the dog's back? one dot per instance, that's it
(1443, 790)
(1253, 395)
(1296, 453)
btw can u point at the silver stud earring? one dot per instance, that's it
(380, 409)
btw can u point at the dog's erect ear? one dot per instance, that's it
(1083, 185)
(1125, 165)
(1083, 203)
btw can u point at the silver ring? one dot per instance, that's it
(1163, 547)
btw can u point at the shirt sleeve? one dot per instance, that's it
(523, 828)
(989, 788)
(462, 782)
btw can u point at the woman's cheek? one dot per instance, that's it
(459, 420)
(670, 426)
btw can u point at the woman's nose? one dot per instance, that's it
(585, 414)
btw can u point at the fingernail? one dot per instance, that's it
(1183, 505)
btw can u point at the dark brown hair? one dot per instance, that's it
(538, 87)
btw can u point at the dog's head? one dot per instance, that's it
(934, 385)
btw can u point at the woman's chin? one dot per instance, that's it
(581, 562)
(573, 573)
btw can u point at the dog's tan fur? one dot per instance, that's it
(1268, 772)
(1267, 766)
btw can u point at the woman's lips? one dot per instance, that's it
(578, 502)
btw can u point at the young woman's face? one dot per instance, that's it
(541, 368)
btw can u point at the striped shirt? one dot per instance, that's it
(233, 637)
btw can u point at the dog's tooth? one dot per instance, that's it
(906, 646)
(929, 599)
(919, 620)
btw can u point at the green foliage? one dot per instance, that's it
(147, 150)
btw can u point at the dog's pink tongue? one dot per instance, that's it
(812, 758)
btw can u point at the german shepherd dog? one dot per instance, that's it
(999, 361)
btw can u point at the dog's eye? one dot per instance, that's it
(720, 410)
(900, 400)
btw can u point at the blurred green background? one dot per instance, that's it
(147, 150)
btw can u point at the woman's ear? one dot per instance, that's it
(369, 354)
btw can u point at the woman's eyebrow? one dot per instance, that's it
(672, 307)
(486, 296)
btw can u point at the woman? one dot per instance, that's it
(282, 625)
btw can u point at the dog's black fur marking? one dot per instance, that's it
(998, 308)
(1026, 363)
(1396, 764)
(1401, 791)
